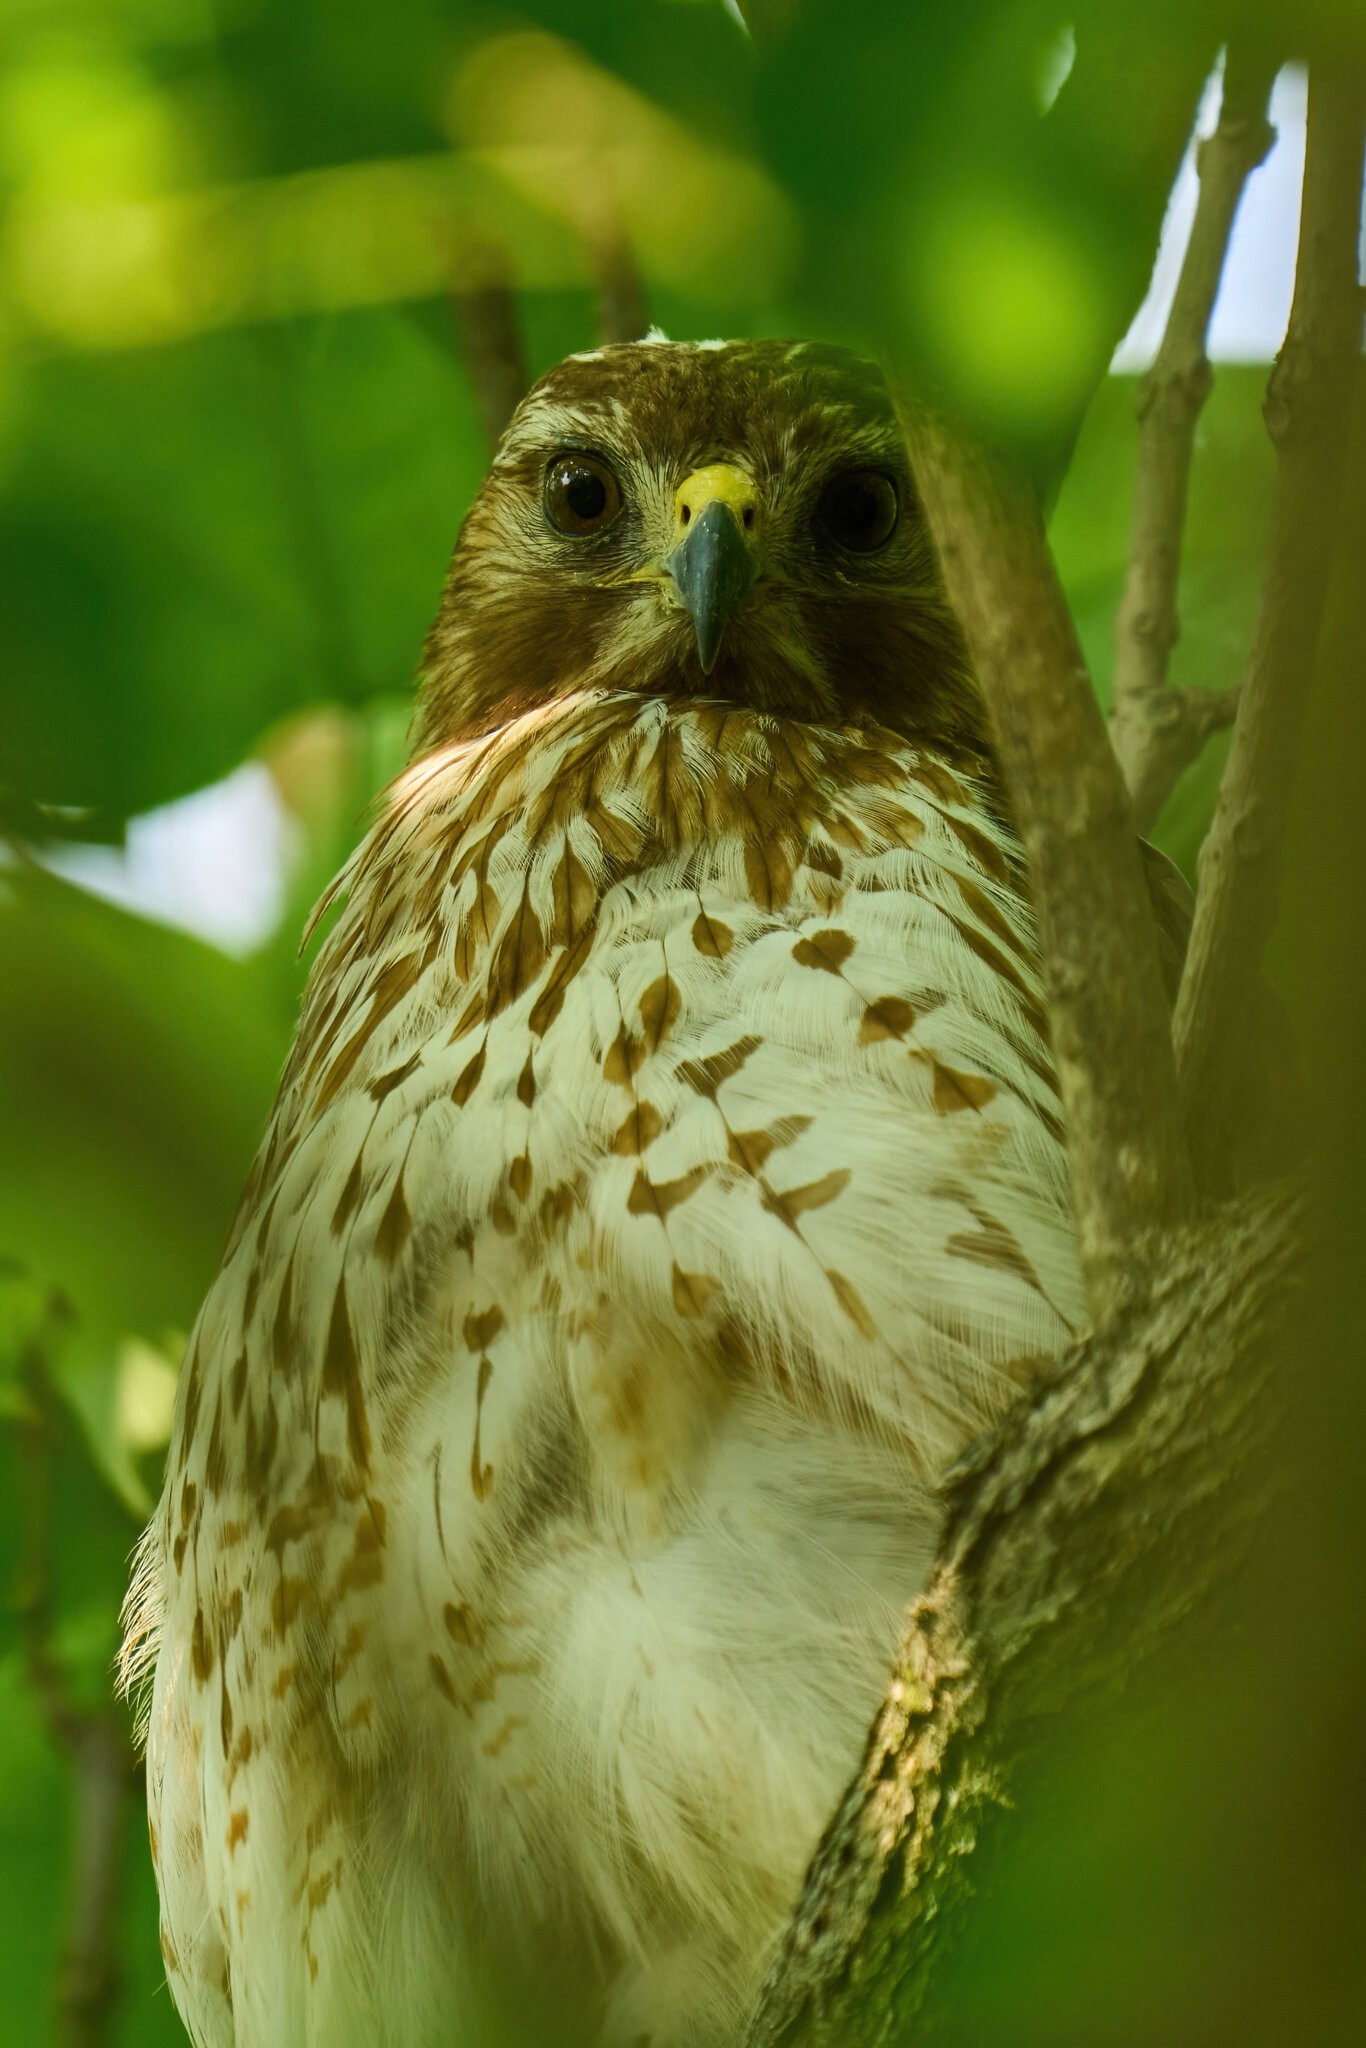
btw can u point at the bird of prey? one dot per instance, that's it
(665, 1184)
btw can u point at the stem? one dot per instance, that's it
(1157, 732)
(622, 312)
(91, 1978)
(96, 1744)
(485, 309)
(1307, 411)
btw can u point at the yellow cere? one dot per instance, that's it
(719, 483)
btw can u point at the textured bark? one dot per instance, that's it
(1108, 1495)
(1308, 411)
(1156, 731)
(1107, 1004)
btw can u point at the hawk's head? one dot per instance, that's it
(729, 520)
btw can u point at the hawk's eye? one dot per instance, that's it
(860, 510)
(581, 494)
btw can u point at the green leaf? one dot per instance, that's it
(196, 541)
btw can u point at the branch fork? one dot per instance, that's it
(1157, 732)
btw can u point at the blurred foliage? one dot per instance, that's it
(180, 533)
(133, 1066)
(236, 440)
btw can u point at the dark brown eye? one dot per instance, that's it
(860, 510)
(581, 494)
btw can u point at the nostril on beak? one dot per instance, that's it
(717, 484)
(747, 514)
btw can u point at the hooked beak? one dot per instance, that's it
(712, 561)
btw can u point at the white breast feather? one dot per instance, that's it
(556, 1452)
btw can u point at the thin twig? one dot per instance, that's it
(485, 308)
(91, 1983)
(1307, 410)
(622, 312)
(1107, 1005)
(1157, 732)
(94, 1739)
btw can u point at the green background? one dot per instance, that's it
(225, 511)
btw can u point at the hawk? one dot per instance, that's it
(665, 1183)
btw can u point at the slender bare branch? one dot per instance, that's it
(95, 1741)
(1157, 732)
(1308, 407)
(1156, 737)
(622, 312)
(90, 1986)
(1107, 1005)
(1078, 1537)
(485, 307)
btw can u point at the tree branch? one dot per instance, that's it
(485, 308)
(94, 1739)
(1157, 732)
(622, 312)
(1107, 1006)
(1157, 736)
(1078, 1536)
(1307, 410)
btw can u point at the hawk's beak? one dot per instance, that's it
(712, 561)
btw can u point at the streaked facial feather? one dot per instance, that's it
(528, 615)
